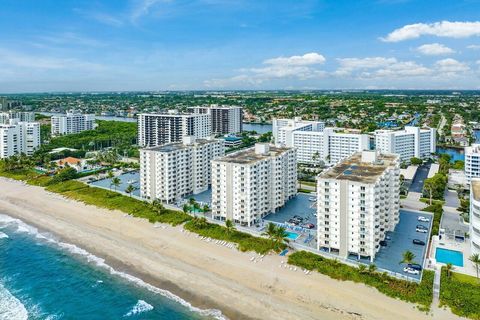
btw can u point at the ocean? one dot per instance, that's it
(42, 277)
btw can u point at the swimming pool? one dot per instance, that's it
(449, 256)
(292, 235)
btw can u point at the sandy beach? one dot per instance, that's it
(204, 273)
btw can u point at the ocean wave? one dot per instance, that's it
(140, 307)
(73, 249)
(11, 307)
(3, 235)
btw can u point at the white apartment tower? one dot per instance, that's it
(249, 184)
(71, 123)
(5, 117)
(408, 143)
(357, 203)
(475, 215)
(224, 119)
(172, 171)
(472, 162)
(158, 129)
(19, 138)
(315, 143)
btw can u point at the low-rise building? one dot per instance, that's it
(472, 162)
(249, 184)
(172, 171)
(357, 203)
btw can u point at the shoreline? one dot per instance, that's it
(202, 273)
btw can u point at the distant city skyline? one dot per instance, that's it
(141, 45)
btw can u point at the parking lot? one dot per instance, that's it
(401, 238)
(299, 206)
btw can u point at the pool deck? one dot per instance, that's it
(124, 178)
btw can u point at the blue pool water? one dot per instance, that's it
(292, 235)
(44, 278)
(449, 256)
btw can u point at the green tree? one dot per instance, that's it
(475, 259)
(130, 188)
(416, 161)
(407, 257)
(115, 182)
(229, 226)
(449, 269)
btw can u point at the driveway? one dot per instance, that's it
(451, 199)
(419, 180)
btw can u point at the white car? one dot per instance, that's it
(411, 270)
(423, 219)
(421, 230)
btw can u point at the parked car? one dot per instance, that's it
(421, 229)
(419, 242)
(383, 243)
(415, 266)
(309, 226)
(410, 270)
(423, 219)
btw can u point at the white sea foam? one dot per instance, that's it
(140, 307)
(73, 249)
(3, 235)
(10, 307)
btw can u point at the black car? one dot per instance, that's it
(383, 243)
(415, 266)
(419, 242)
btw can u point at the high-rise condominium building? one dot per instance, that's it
(225, 119)
(408, 143)
(475, 215)
(358, 202)
(472, 162)
(19, 138)
(249, 184)
(72, 123)
(315, 143)
(172, 171)
(157, 129)
(5, 117)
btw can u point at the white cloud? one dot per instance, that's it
(107, 19)
(440, 29)
(305, 60)
(434, 49)
(294, 67)
(348, 65)
(474, 47)
(143, 7)
(451, 67)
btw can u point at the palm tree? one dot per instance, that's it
(270, 231)
(110, 175)
(407, 257)
(449, 268)
(205, 208)
(475, 258)
(372, 268)
(115, 182)
(229, 226)
(362, 268)
(186, 208)
(130, 188)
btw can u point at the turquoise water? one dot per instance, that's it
(292, 235)
(43, 278)
(455, 154)
(449, 256)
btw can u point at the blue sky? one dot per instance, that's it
(68, 45)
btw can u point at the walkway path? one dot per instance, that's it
(436, 286)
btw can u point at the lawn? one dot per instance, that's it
(421, 294)
(461, 293)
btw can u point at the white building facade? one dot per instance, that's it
(249, 184)
(71, 123)
(472, 162)
(357, 203)
(5, 117)
(475, 215)
(408, 143)
(315, 143)
(19, 138)
(172, 171)
(224, 119)
(162, 128)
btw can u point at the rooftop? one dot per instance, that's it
(476, 189)
(247, 156)
(353, 169)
